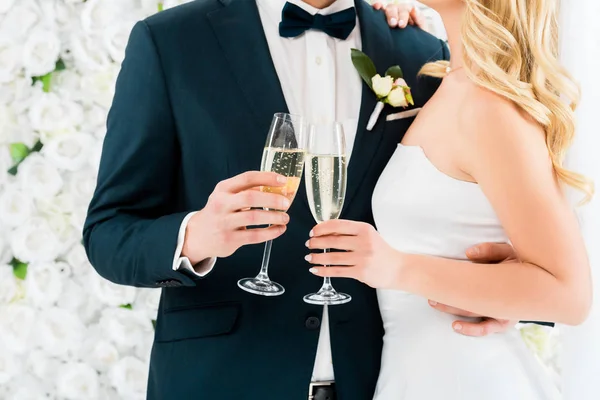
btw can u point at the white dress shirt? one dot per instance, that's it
(319, 83)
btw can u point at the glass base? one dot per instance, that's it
(327, 298)
(261, 287)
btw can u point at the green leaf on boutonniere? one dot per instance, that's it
(364, 65)
(395, 72)
(127, 306)
(18, 152)
(19, 269)
(160, 7)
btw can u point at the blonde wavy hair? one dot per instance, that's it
(511, 48)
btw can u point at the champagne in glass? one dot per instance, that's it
(284, 154)
(325, 179)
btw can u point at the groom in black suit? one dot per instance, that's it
(193, 104)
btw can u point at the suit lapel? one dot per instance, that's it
(377, 44)
(240, 34)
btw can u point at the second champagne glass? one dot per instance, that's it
(325, 179)
(283, 153)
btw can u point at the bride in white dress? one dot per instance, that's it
(482, 162)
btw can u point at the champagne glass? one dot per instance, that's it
(283, 153)
(325, 179)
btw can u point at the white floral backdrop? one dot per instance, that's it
(66, 333)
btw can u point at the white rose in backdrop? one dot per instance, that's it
(100, 85)
(40, 52)
(21, 18)
(43, 366)
(10, 366)
(39, 177)
(147, 301)
(16, 327)
(35, 241)
(8, 284)
(5, 254)
(69, 152)
(16, 206)
(6, 5)
(115, 38)
(99, 352)
(44, 284)
(125, 328)
(59, 332)
(51, 115)
(88, 53)
(77, 381)
(130, 377)
(110, 293)
(10, 60)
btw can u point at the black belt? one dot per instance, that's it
(322, 391)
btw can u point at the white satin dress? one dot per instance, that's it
(420, 210)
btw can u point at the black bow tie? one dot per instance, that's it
(295, 21)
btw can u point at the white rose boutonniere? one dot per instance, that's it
(390, 89)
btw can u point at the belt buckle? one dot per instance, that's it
(314, 385)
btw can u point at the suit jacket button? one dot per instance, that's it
(312, 323)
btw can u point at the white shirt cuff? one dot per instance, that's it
(179, 262)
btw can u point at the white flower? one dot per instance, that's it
(115, 39)
(397, 98)
(81, 186)
(51, 115)
(59, 332)
(16, 326)
(77, 259)
(125, 328)
(42, 366)
(21, 18)
(39, 177)
(100, 353)
(97, 15)
(130, 377)
(72, 297)
(10, 60)
(35, 241)
(95, 120)
(69, 152)
(40, 52)
(8, 284)
(16, 207)
(44, 284)
(5, 5)
(382, 86)
(77, 381)
(100, 85)
(110, 293)
(147, 301)
(10, 366)
(5, 254)
(88, 53)
(30, 390)
(400, 82)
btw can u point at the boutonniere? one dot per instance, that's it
(390, 89)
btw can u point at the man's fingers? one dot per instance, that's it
(256, 217)
(484, 328)
(256, 199)
(251, 179)
(259, 235)
(451, 310)
(490, 252)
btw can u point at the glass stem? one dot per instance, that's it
(263, 274)
(327, 281)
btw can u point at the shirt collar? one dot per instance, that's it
(275, 7)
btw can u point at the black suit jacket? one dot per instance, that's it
(193, 105)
